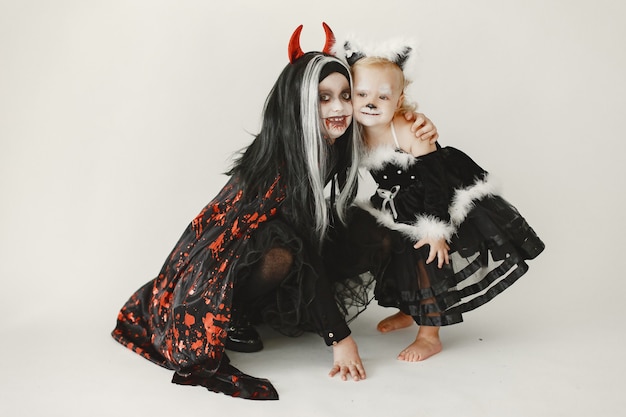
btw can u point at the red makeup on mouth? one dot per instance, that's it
(336, 122)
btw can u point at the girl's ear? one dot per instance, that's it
(400, 101)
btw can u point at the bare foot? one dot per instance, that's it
(422, 348)
(394, 322)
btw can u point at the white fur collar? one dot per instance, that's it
(376, 158)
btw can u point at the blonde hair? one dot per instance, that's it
(406, 105)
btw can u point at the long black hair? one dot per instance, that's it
(290, 145)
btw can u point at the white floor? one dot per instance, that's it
(116, 121)
(509, 358)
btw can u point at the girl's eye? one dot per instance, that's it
(361, 94)
(324, 97)
(345, 96)
(383, 97)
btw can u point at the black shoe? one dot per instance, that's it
(230, 381)
(242, 337)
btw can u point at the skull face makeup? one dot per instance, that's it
(335, 105)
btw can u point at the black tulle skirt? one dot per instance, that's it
(289, 308)
(487, 255)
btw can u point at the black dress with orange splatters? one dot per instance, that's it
(179, 320)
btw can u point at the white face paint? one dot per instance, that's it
(377, 93)
(335, 105)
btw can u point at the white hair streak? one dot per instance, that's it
(316, 155)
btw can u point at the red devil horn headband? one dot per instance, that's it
(295, 51)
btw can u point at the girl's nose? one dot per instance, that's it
(370, 106)
(338, 105)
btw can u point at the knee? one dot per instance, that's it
(386, 244)
(277, 263)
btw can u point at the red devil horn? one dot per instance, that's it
(330, 39)
(295, 51)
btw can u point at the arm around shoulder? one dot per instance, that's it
(407, 140)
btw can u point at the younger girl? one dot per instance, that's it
(455, 244)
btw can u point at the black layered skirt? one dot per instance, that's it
(488, 253)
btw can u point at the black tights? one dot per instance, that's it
(321, 313)
(266, 275)
(361, 246)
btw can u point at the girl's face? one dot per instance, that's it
(377, 94)
(335, 105)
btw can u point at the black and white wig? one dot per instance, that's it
(291, 144)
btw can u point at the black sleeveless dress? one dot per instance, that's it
(444, 194)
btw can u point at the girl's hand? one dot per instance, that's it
(347, 360)
(438, 249)
(423, 128)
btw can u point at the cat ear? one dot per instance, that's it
(403, 56)
(352, 55)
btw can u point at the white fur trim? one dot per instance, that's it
(424, 226)
(464, 199)
(338, 50)
(376, 158)
(430, 226)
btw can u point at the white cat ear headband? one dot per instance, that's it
(399, 51)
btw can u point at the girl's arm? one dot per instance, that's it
(409, 141)
(436, 201)
(424, 204)
(422, 128)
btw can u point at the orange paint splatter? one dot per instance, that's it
(216, 245)
(212, 326)
(196, 224)
(223, 266)
(189, 320)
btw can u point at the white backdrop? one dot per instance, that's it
(117, 119)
